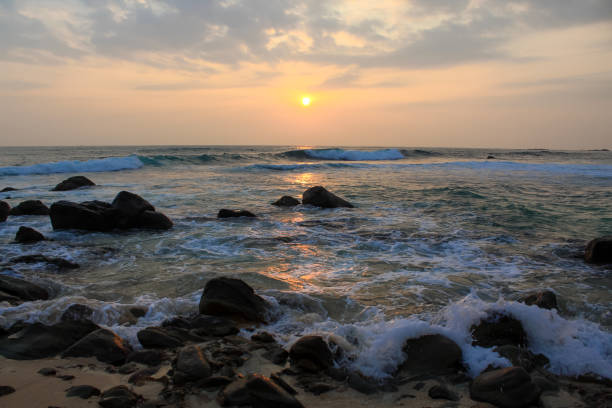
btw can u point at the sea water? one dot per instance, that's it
(438, 239)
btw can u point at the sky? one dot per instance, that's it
(460, 73)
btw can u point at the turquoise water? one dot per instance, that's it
(434, 233)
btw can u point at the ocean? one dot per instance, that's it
(438, 239)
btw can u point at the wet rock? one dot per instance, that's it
(213, 383)
(82, 391)
(7, 189)
(146, 357)
(66, 377)
(544, 299)
(276, 354)
(311, 353)
(191, 365)
(73, 183)
(5, 208)
(118, 397)
(156, 337)
(286, 201)
(130, 204)
(216, 326)
(47, 371)
(545, 383)
(38, 258)
(85, 216)
(27, 235)
(361, 383)
(77, 312)
(22, 289)
(320, 197)
(37, 340)
(521, 357)
(140, 377)
(30, 207)
(263, 337)
(599, 250)
(6, 390)
(138, 312)
(490, 157)
(258, 392)
(225, 213)
(232, 297)
(102, 344)
(442, 392)
(128, 368)
(499, 330)
(506, 387)
(431, 353)
(283, 384)
(13, 300)
(152, 220)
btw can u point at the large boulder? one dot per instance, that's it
(92, 217)
(286, 201)
(102, 344)
(73, 183)
(27, 235)
(311, 353)
(5, 208)
(506, 388)
(191, 365)
(599, 250)
(225, 213)
(35, 341)
(544, 299)
(232, 297)
(320, 197)
(256, 391)
(499, 330)
(21, 289)
(30, 207)
(432, 353)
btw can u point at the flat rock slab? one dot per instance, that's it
(506, 388)
(257, 391)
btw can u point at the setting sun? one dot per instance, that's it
(306, 101)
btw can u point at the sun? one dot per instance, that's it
(306, 101)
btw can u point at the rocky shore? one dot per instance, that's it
(219, 355)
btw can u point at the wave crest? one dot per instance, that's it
(75, 166)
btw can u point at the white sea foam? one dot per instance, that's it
(75, 166)
(354, 155)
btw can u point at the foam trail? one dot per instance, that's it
(354, 155)
(75, 166)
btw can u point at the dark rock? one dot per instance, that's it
(431, 353)
(521, 357)
(13, 300)
(77, 312)
(74, 183)
(92, 217)
(37, 258)
(506, 387)
(263, 337)
(599, 250)
(22, 289)
(320, 197)
(258, 392)
(311, 353)
(102, 344)
(118, 397)
(225, 213)
(318, 387)
(283, 384)
(146, 357)
(212, 383)
(138, 312)
(490, 157)
(47, 371)
(191, 365)
(286, 201)
(82, 391)
(37, 340)
(130, 204)
(499, 330)
(140, 377)
(544, 299)
(5, 209)
(156, 337)
(441, 392)
(128, 368)
(7, 189)
(545, 383)
(213, 326)
(151, 220)
(30, 207)
(232, 297)
(361, 383)
(27, 235)
(276, 354)
(179, 322)
(66, 377)
(6, 390)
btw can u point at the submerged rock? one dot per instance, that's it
(311, 353)
(320, 197)
(191, 365)
(286, 201)
(232, 297)
(77, 312)
(30, 207)
(544, 299)
(499, 330)
(73, 183)
(119, 397)
(27, 235)
(38, 258)
(599, 251)
(225, 213)
(257, 391)
(521, 357)
(102, 344)
(506, 387)
(432, 353)
(5, 209)
(21, 289)
(7, 189)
